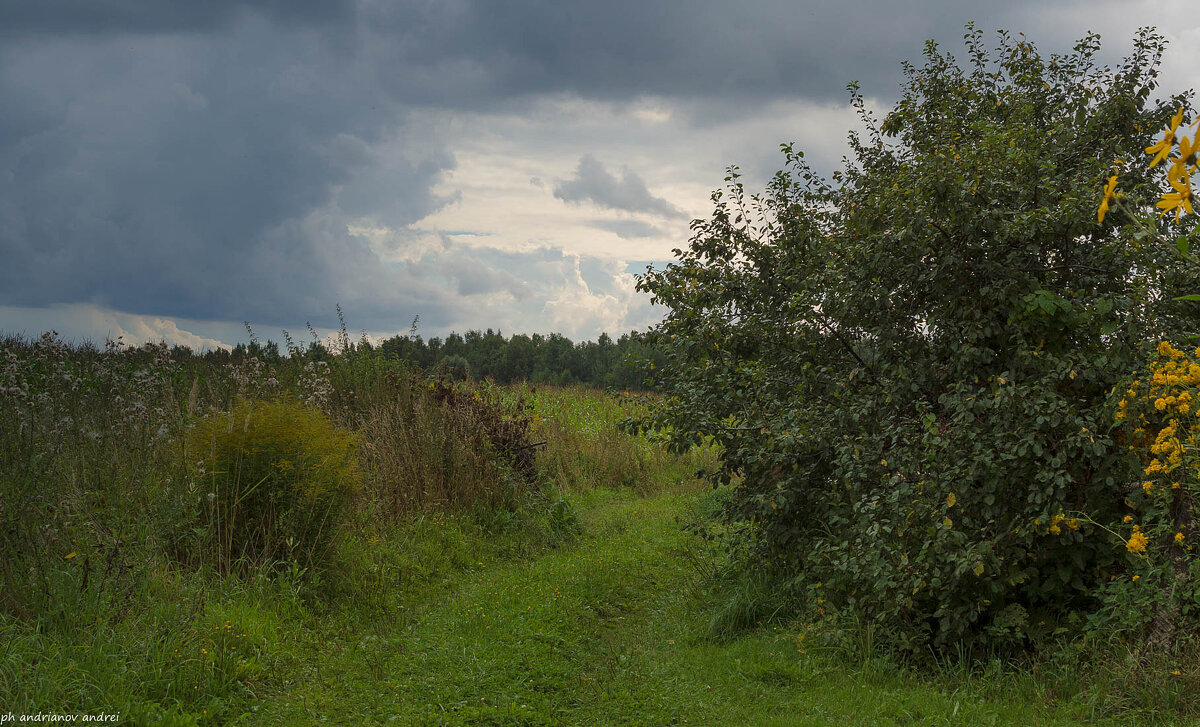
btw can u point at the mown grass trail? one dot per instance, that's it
(606, 630)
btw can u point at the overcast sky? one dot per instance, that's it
(170, 168)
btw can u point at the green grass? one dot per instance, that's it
(613, 628)
(466, 625)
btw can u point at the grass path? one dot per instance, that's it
(607, 630)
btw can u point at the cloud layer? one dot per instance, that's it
(223, 161)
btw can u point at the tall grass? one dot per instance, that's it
(112, 594)
(585, 447)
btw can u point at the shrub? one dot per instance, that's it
(455, 368)
(275, 479)
(434, 445)
(910, 366)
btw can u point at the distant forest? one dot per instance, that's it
(625, 363)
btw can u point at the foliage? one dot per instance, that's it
(909, 366)
(275, 478)
(454, 368)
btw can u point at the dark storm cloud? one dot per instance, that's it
(203, 159)
(593, 183)
(202, 175)
(92, 17)
(700, 48)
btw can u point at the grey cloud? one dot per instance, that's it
(627, 229)
(593, 183)
(497, 52)
(202, 159)
(202, 179)
(92, 17)
(471, 53)
(476, 276)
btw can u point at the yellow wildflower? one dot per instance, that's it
(1137, 543)
(1108, 195)
(1189, 156)
(1179, 538)
(1166, 349)
(1180, 200)
(1147, 487)
(1128, 519)
(1165, 144)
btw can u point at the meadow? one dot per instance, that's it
(343, 539)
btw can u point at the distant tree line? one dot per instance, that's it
(625, 363)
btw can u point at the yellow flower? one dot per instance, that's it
(1147, 487)
(1166, 349)
(1108, 195)
(1128, 519)
(1189, 155)
(1137, 543)
(1135, 578)
(1165, 144)
(1180, 200)
(1179, 538)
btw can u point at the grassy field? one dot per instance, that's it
(589, 599)
(613, 628)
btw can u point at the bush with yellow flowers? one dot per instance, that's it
(1157, 590)
(908, 366)
(272, 479)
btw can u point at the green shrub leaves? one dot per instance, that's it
(909, 366)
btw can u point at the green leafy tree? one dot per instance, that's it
(909, 366)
